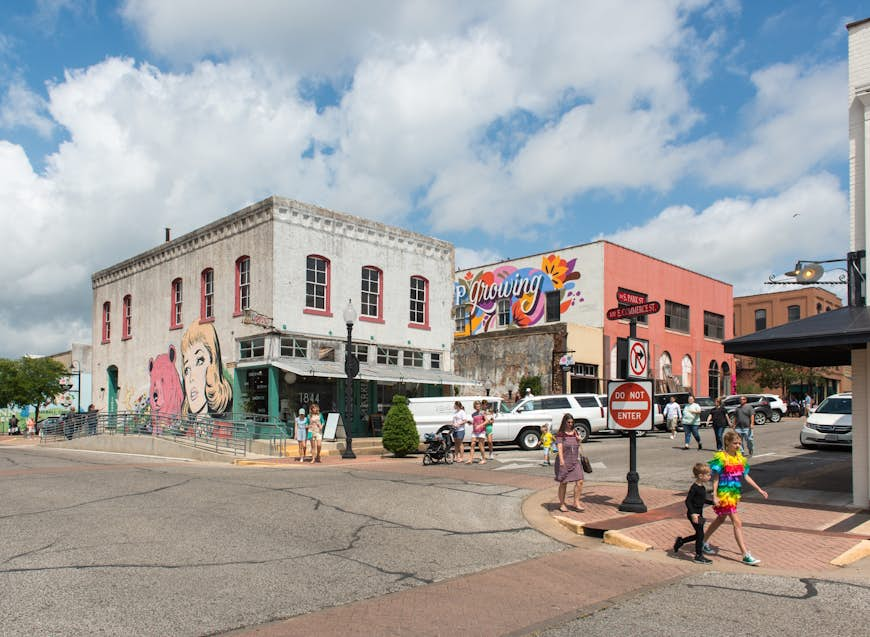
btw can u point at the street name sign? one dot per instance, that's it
(630, 405)
(630, 311)
(630, 298)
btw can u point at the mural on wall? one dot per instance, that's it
(525, 288)
(200, 388)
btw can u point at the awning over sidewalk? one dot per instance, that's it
(817, 341)
(380, 373)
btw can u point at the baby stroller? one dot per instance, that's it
(439, 446)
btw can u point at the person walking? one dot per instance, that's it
(489, 419)
(744, 423)
(478, 434)
(460, 419)
(301, 431)
(691, 422)
(547, 443)
(12, 427)
(315, 426)
(718, 417)
(695, 501)
(568, 467)
(729, 467)
(672, 415)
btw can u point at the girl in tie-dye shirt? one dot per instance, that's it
(729, 467)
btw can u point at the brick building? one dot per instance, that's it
(525, 316)
(245, 314)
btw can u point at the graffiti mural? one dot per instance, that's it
(200, 387)
(525, 288)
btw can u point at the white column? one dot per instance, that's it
(860, 434)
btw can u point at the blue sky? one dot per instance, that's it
(691, 130)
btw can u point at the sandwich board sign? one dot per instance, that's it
(630, 405)
(638, 358)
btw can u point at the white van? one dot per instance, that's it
(431, 413)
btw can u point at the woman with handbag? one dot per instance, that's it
(568, 467)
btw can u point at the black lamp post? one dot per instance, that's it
(351, 369)
(75, 370)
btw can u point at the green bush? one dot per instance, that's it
(533, 383)
(400, 432)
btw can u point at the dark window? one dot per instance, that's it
(794, 313)
(371, 292)
(587, 401)
(553, 306)
(388, 356)
(559, 402)
(316, 283)
(714, 325)
(419, 300)
(294, 347)
(760, 320)
(411, 358)
(206, 308)
(127, 318)
(504, 312)
(252, 348)
(177, 298)
(107, 322)
(361, 352)
(676, 316)
(460, 318)
(243, 284)
(435, 360)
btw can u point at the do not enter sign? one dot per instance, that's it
(630, 405)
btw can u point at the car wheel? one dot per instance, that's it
(776, 415)
(760, 418)
(585, 431)
(529, 439)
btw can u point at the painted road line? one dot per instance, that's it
(509, 467)
(762, 455)
(118, 453)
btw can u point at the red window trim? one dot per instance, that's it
(127, 302)
(202, 316)
(238, 311)
(107, 310)
(327, 295)
(380, 317)
(172, 324)
(425, 324)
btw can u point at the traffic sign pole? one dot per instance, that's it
(633, 502)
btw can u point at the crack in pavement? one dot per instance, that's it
(808, 582)
(26, 553)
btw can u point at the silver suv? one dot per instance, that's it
(589, 411)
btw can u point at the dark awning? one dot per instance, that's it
(818, 341)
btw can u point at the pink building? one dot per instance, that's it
(545, 315)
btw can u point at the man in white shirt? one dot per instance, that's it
(672, 415)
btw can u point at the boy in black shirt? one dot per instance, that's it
(694, 511)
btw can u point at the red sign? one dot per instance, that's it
(630, 298)
(629, 405)
(633, 310)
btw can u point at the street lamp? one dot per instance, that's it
(75, 370)
(351, 369)
(810, 272)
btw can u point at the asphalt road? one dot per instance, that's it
(779, 462)
(109, 544)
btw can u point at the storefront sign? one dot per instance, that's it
(253, 317)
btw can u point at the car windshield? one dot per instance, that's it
(835, 406)
(503, 409)
(705, 402)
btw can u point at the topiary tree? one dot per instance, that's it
(400, 434)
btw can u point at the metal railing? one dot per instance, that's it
(218, 435)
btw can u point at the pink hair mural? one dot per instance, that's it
(165, 394)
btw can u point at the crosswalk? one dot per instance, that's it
(526, 460)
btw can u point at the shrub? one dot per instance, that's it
(400, 432)
(533, 383)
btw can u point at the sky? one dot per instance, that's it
(710, 134)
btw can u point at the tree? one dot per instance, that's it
(530, 382)
(400, 434)
(770, 373)
(30, 381)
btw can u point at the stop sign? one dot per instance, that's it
(630, 405)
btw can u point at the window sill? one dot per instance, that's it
(420, 326)
(105, 341)
(313, 312)
(237, 314)
(371, 319)
(673, 331)
(126, 338)
(713, 339)
(176, 327)
(207, 320)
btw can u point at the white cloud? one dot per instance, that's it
(22, 108)
(740, 240)
(474, 257)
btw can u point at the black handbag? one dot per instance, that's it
(584, 461)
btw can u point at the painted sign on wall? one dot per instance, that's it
(521, 290)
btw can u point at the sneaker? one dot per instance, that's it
(678, 544)
(685, 446)
(751, 561)
(708, 549)
(700, 446)
(700, 559)
(672, 436)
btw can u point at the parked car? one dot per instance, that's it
(589, 412)
(759, 403)
(830, 423)
(778, 408)
(430, 413)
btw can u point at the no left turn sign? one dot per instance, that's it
(630, 405)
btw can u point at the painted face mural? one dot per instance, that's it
(165, 394)
(206, 390)
(524, 291)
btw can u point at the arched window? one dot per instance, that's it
(127, 318)
(206, 306)
(107, 322)
(419, 298)
(687, 372)
(177, 296)
(665, 366)
(317, 285)
(726, 380)
(372, 294)
(713, 379)
(243, 285)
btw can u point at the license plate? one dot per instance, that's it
(831, 437)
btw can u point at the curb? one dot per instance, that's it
(570, 523)
(617, 538)
(857, 552)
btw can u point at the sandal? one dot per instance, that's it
(563, 508)
(579, 508)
